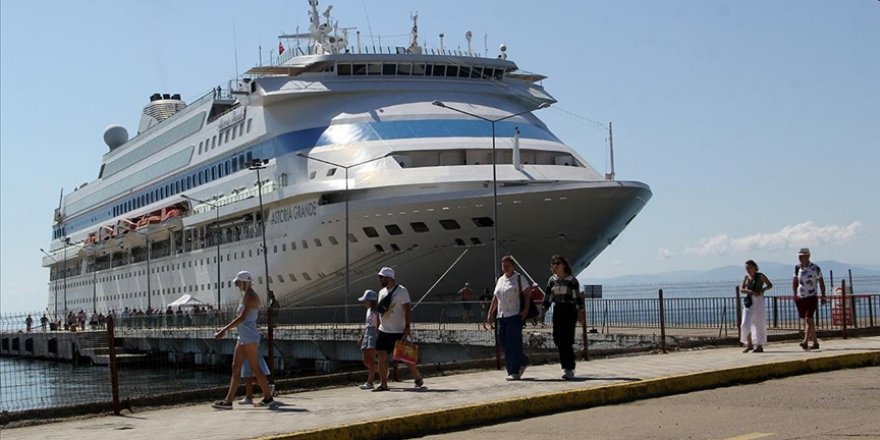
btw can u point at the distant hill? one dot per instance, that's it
(735, 272)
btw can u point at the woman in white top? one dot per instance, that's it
(510, 295)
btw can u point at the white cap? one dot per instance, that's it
(386, 272)
(804, 251)
(370, 295)
(243, 276)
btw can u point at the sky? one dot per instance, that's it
(755, 123)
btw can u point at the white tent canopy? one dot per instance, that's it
(186, 301)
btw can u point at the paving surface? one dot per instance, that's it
(462, 400)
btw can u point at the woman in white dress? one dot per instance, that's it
(754, 322)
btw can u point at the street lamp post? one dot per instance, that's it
(257, 165)
(441, 104)
(216, 238)
(344, 167)
(66, 242)
(56, 281)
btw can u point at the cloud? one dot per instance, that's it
(664, 254)
(789, 237)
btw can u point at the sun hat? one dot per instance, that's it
(369, 295)
(386, 272)
(243, 276)
(804, 251)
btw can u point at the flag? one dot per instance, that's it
(280, 48)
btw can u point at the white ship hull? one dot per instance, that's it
(403, 137)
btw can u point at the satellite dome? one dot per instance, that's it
(115, 136)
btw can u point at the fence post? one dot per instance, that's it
(662, 322)
(114, 373)
(738, 313)
(843, 304)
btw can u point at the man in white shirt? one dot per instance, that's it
(807, 278)
(394, 324)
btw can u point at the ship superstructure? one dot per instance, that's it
(347, 139)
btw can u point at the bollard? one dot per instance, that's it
(114, 373)
(662, 322)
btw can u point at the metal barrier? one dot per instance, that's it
(42, 367)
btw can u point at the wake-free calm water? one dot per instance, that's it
(31, 384)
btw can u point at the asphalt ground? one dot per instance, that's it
(460, 401)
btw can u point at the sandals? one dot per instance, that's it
(222, 404)
(265, 402)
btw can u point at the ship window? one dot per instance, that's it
(343, 69)
(371, 232)
(280, 278)
(359, 69)
(200, 148)
(318, 242)
(451, 70)
(312, 175)
(483, 222)
(283, 247)
(459, 242)
(498, 74)
(234, 164)
(476, 72)
(374, 69)
(306, 277)
(418, 70)
(393, 229)
(352, 238)
(438, 70)
(233, 133)
(389, 69)
(249, 123)
(464, 71)
(293, 245)
(449, 224)
(275, 249)
(475, 240)
(395, 247)
(419, 227)
(241, 129)
(332, 240)
(379, 248)
(305, 244)
(292, 277)
(404, 69)
(226, 137)
(213, 141)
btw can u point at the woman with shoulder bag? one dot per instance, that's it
(507, 307)
(563, 290)
(754, 321)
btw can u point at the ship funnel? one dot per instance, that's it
(160, 108)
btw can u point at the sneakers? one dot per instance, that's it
(568, 375)
(759, 349)
(804, 345)
(522, 369)
(222, 404)
(512, 377)
(420, 381)
(748, 349)
(246, 401)
(265, 402)
(367, 386)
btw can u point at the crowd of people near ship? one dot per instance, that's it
(73, 321)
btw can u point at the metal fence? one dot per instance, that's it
(43, 367)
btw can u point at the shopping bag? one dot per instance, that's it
(406, 352)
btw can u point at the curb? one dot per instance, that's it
(419, 424)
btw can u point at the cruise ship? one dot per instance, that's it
(315, 170)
